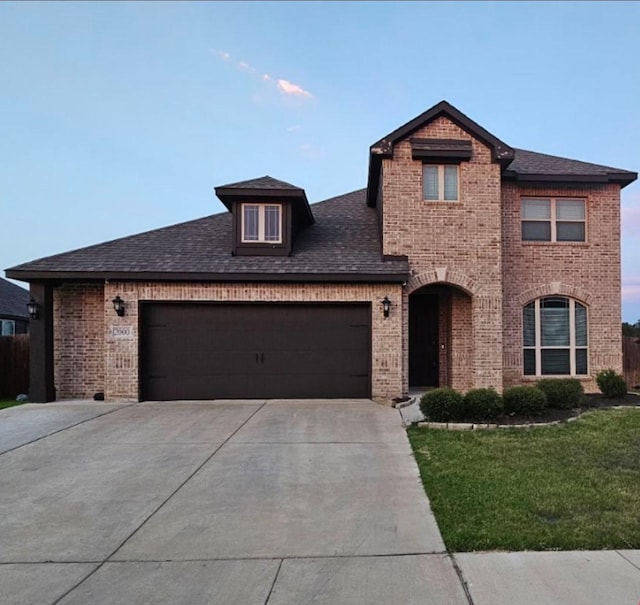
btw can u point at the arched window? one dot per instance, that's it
(555, 337)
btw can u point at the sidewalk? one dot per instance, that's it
(552, 578)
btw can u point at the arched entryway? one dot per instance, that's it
(440, 337)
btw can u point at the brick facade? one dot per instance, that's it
(88, 358)
(588, 272)
(474, 246)
(456, 243)
(78, 329)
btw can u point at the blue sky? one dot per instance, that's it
(117, 118)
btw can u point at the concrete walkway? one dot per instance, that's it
(253, 502)
(265, 503)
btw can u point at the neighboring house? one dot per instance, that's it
(465, 262)
(14, 318)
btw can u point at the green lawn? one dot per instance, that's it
(572, 486)
(7, 403)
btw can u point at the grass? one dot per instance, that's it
(8, 403)
(566, 487)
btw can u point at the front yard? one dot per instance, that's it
(572, 486)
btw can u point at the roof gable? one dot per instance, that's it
(500, 151)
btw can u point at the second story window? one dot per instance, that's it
(261, 223)
(440, 182)
(553, 220)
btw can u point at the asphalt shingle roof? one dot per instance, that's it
(530, 162)
(13, 300)
(263, 182)
(343, 241)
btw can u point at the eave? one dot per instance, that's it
(144, 276)
(622, 179)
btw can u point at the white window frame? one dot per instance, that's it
(572, 347)
(440, 168)
(261, 223)
(553, 219)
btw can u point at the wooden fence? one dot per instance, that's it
(631, 356)
(14, 365)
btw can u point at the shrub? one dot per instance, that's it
(524, 401)
(442, 405)
(611, 385)
(482, 404)
(562, 392)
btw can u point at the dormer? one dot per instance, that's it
(267, 215)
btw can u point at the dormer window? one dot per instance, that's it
(267, 215)
(262, 223)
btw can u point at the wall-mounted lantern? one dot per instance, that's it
(386, 305)
(34, 308)
(118, 305)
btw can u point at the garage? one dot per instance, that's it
(247, 351)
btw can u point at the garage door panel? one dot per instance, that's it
(204, 351)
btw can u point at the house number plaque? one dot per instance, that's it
(121, 332)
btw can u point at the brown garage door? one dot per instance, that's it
(246, 351)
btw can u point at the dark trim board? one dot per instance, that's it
(213, 350)
(57, 277)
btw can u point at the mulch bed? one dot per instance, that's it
(592, 401)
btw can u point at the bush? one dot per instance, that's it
(611, 385)
(564, 393)
(524, 401)
(442, 405)
(482, 404)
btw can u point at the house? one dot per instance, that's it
(14, 318)
(464, 262)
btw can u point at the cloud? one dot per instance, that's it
(294, 128)
(288, 88)
(285, 87)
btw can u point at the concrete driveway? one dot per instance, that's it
(253, 502)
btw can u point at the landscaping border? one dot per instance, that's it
(475, 426)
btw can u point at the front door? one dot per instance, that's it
(423, 340)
